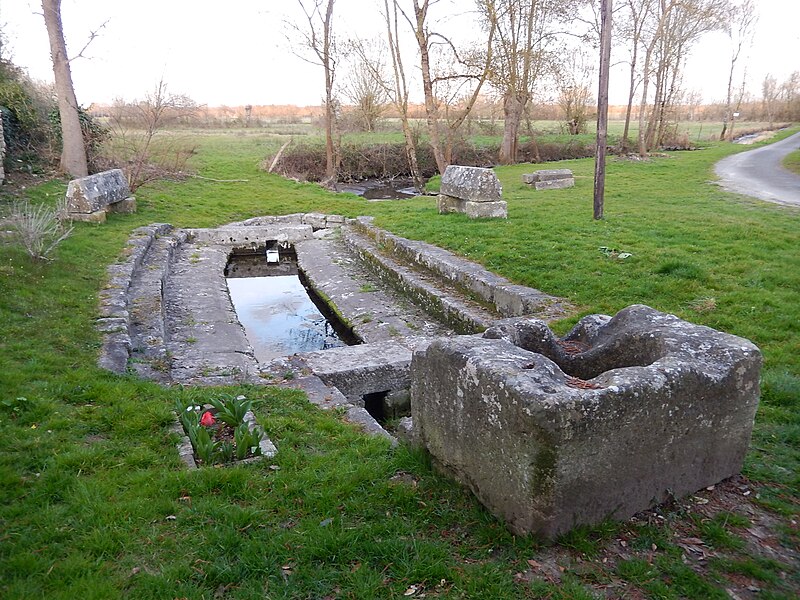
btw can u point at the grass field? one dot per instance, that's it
(792, 162)
(95, 504)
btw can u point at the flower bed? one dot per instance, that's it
(222, 432)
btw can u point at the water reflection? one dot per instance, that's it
(278, 316)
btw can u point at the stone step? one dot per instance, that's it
(205, 341)
(495, 293)
(375, 311)
(459, 312)
(113, 316)
(146, 327)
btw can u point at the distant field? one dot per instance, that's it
(484, 131)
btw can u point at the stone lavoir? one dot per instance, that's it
(548, 432)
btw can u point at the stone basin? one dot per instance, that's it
(621, 414)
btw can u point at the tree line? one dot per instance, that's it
(525, 52)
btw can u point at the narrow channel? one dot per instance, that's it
(280, 315)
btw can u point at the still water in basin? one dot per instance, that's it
(278, 316)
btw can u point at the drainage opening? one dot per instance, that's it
(281, 314)
(388, 406)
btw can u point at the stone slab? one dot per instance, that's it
(252, 236)
(547, 175)
(449, 204)
(363, 369)
(125, 207)
(476, 184)
(88, 195)
(486, 210)
(554, 184)
(651, 407)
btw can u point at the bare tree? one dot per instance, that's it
(740, 28)
(573, 78)
(473, 69)
(521, 55)
(769, 97)
(401, 90)
(136, 143)
(675, 25)
(317, 37)
(631, 28)
(73, 151)
(365, 88)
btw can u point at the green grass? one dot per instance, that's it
(95, 502)
(792, 162)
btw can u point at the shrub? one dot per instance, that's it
(40, 228)
(306, 161)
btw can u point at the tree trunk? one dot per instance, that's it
(431, 110)
(631, 93)
(73, 151)
(602, 108)
(513, 108)
(331, 158)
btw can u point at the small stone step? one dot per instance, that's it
(456, 273)
(146, 307)
(459, 312)
(374, 311)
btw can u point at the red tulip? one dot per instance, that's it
(207, 420)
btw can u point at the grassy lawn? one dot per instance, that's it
(792, 162)
(95, 503)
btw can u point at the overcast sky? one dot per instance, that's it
(235, 52)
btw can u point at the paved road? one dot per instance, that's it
(759, 173)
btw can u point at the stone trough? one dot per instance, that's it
(620, 415)
(549, 433)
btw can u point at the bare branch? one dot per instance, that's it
(92, 36)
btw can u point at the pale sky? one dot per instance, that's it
(235, 52)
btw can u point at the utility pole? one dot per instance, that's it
(602, 108)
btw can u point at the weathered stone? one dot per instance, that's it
(639, 408)
(88, 196)
(98, 216)
(549, 179)
(253, 236)
(476, 184)
(400, 258)
(334, 220)
(550, 174)
(125, 207)
(364, 369)
(449, 204)
(406, 432)
(316, 220)
(480, 210)
(555, 184)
